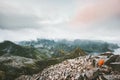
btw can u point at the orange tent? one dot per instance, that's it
(101, 62)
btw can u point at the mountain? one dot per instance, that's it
(48, 50)
(17, 60)
(75, 53)
(31, 57)
(9, 48)
(89, 46)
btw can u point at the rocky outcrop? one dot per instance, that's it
(114, 62)
(112, 77)
(114, 58)
(13, 66)
(108, 54)
(80, 68)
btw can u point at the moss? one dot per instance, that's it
(2, 75)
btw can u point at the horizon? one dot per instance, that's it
(108, 41)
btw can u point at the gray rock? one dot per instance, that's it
(114, 62)
(114, 58)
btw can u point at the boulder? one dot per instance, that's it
(114, 62)
(114, 58)
(92, 74)
(115, 66)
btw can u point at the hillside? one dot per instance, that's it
(8, 48)
(16, 60)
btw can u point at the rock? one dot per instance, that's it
(106, 70)
(118, 59)
(112, 77)
(108, 54)
(114, 62)
(72, 69)
(114, 58)
(92, 74)
(115, 66)
(80, 68)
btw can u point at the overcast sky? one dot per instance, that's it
(58, 19)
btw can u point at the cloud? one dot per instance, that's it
(22, 14)
(98, 11)
(15, 16)
(17, 21)
(31, 19)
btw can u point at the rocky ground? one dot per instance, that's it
(14, 66)
(80, 68)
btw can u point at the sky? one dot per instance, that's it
(59, 19)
